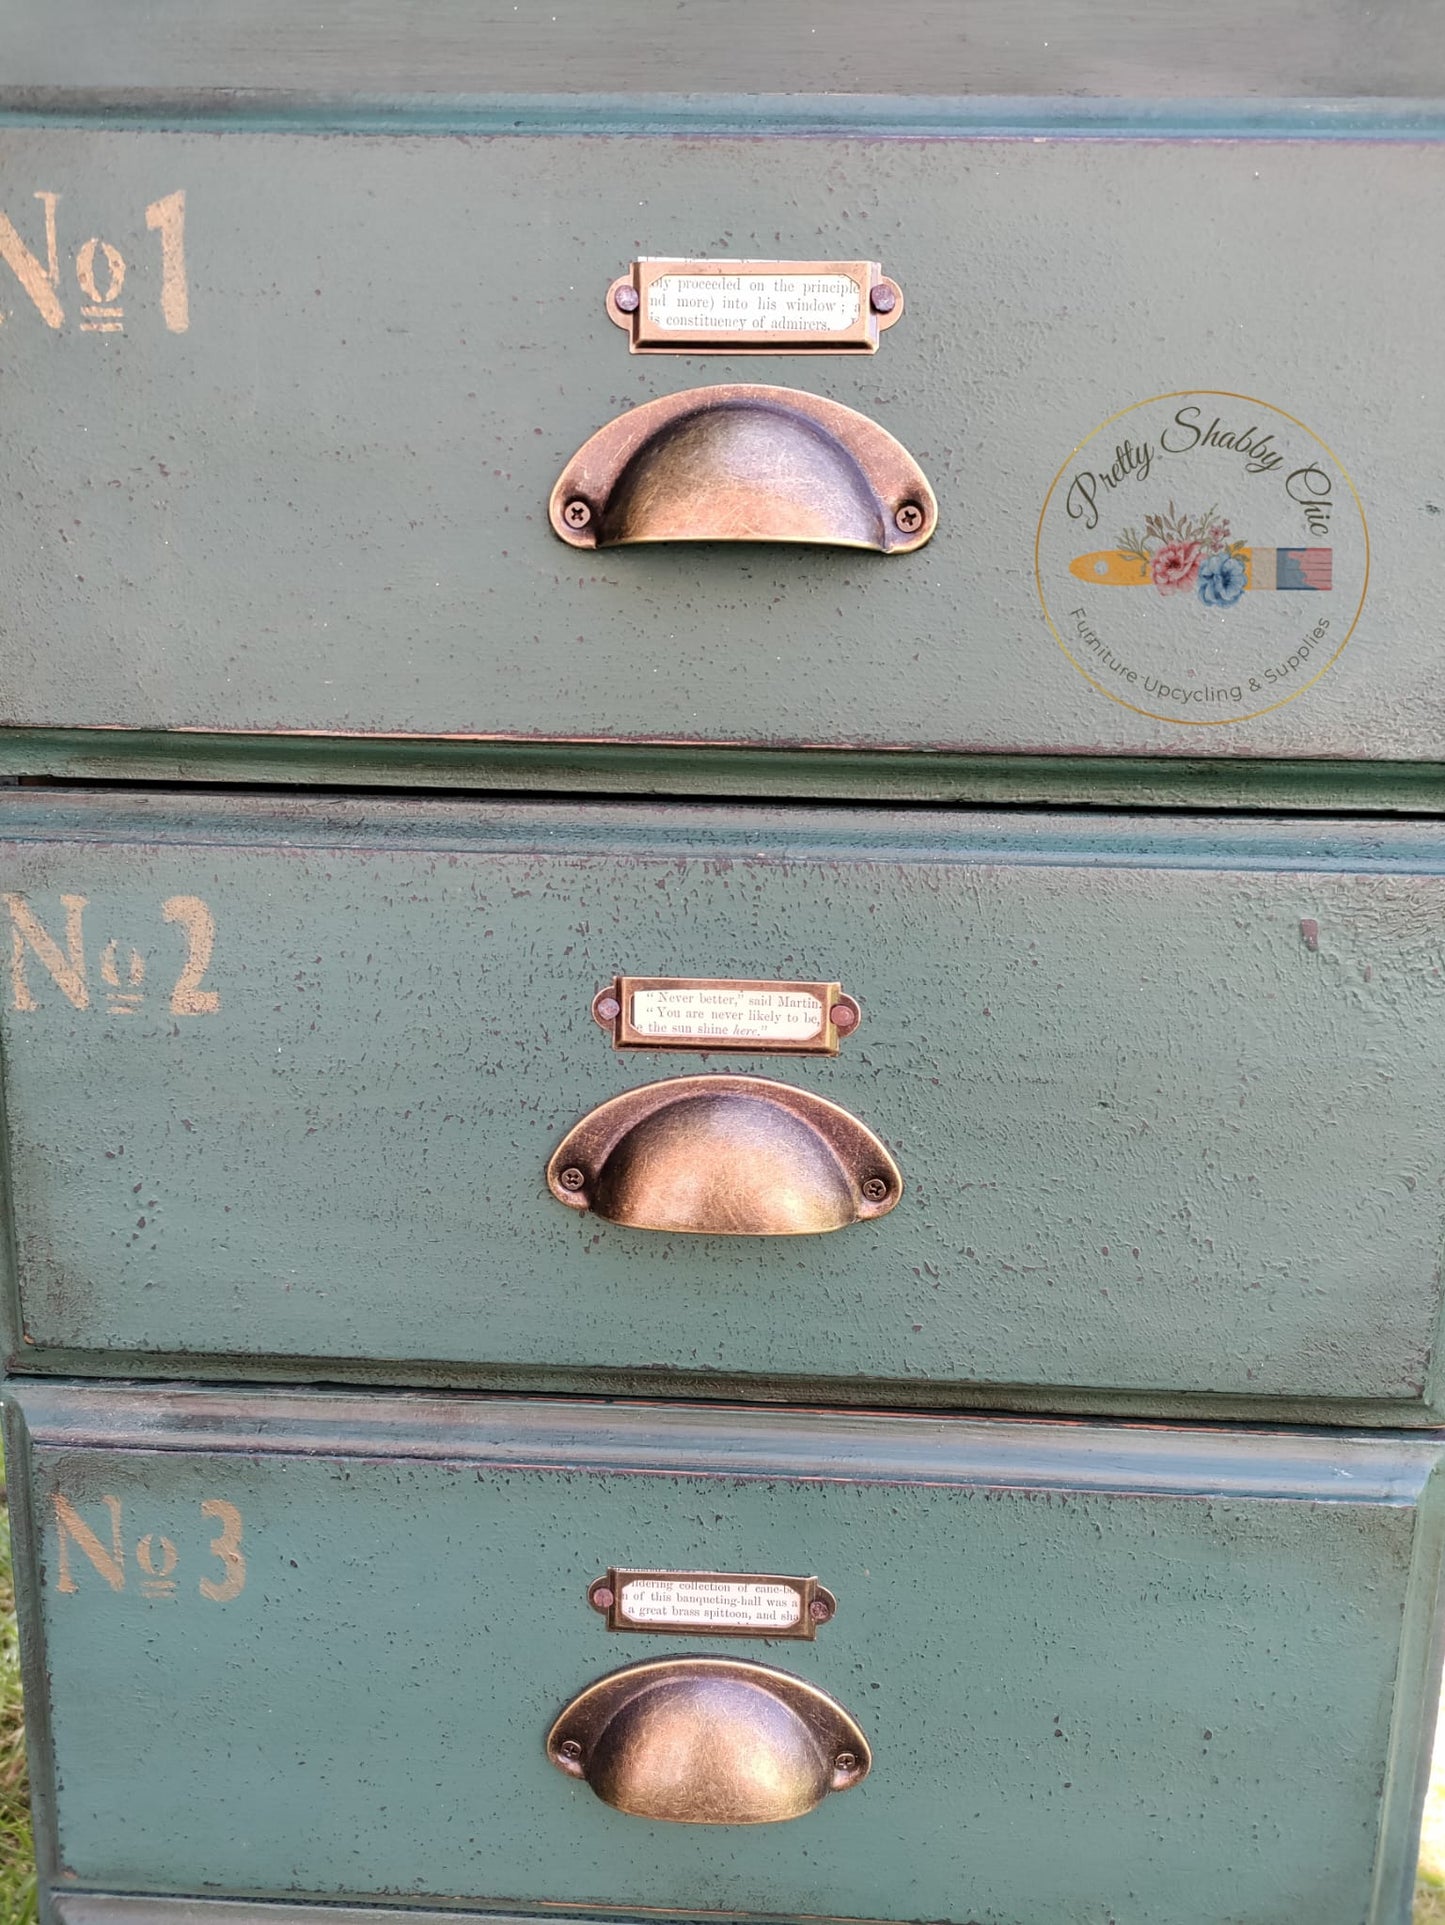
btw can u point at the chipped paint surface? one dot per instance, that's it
(385, 422)
(1117, 1642)
(281, 1078)
(1156, 1141)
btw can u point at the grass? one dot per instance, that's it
(1430, 1887)
(17, 1857)
(17, 1862)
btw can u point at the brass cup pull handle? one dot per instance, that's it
(724, 1156)
(744, 463)
(709, 1741)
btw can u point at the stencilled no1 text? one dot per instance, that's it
(98, 267)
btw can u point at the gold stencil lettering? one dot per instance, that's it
(67, 969)
(72, 1528)
(168, 218)
(85, 271)
(151, 1547)
(40, 282)
(103, 315)
(122, 999)
(157, 1558)
(122, 968)
(227, 1547)
(188, 998)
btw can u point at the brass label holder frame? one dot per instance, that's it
(683, 306)
(714, 1604)
(726, 1013)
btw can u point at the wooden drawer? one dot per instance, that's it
(307, 1647)
(314, 503)
(283, 1077)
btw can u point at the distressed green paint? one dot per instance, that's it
(1413, 115)
(296, 50)
(1165, 1094)
(383, 762)
(1168, 1660)
(323, 506)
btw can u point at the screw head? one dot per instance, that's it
(842, 1016)
(846, 1761)
(571, 1178)
(601, 1597)
(907, 521)
(570, 1750)
(578, 513)
(627, 300)
(883, 298)
(875, 1189)
(608, 1008)
(820, 1610)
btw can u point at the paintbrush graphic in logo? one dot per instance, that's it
(1179, 554)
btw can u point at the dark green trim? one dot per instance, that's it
(632, 829)
(583, 1437)
(1104, 781)
(857, 1395)
(75, 1907)
(25, 1539)
(1417, 1680)
(909, 116)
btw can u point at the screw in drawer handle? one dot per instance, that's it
(709, 1741)
(744, 463)
(725, 1156)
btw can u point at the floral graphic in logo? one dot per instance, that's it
(1179, 553)
(1221, 580)
(1215, 626)
(1197, 554)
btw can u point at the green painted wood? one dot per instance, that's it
(1147, 1676)
(292, 761)
(1165, 1093)
(117, 1908)
(1374, 117)
(322, 506)
(1333, 47)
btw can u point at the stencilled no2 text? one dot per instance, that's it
(113, 974)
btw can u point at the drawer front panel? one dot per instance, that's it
(1105, 1640)
(321, 503)
(1166, 1100)
(580, 48)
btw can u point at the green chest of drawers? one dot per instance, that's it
(721, 1036)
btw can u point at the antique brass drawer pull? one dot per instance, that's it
(724, 1156)
(709, 1741)
(744, 463)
